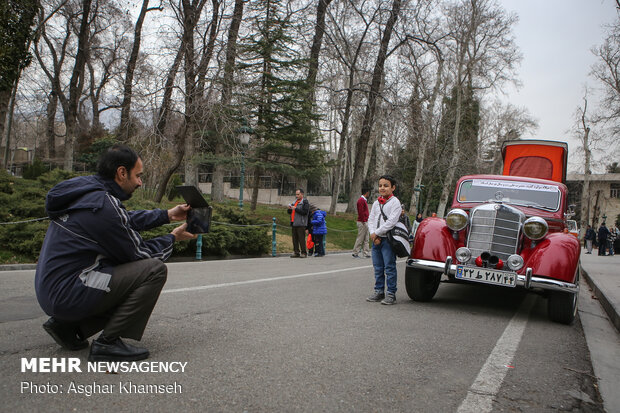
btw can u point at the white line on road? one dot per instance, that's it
(481, 394)
(261, 280)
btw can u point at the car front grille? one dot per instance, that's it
(494, 228)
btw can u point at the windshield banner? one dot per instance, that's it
(530, 186)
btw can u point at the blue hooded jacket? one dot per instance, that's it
(318, 222)
(90, 233)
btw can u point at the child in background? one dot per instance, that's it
(383, 217)
(319, 229)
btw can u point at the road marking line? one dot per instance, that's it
(261, 280)
(490, 378)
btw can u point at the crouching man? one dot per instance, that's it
(95, 272)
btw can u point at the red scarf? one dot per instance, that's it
(383, 200)
(293, 212)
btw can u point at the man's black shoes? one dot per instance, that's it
(65, 334)
(116, 350)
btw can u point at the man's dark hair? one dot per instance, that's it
(388, 178)
(300, 190)
(117, 155)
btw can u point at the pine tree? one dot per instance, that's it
(274, 93)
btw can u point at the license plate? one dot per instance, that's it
(486, 275)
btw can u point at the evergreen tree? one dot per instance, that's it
(275, 93)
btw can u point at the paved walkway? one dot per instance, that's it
(602, 273)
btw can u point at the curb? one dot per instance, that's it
(17, 267)
(611, 311)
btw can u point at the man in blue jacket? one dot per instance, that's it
(95, 272)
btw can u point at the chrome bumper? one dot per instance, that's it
(525, 281)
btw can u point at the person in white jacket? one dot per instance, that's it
(384, 215)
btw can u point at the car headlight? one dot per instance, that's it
(457, 219)
(463, 255)
(515, 262)
(535, 228)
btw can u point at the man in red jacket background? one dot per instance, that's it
(361, 242)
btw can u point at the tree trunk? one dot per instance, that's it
(50, 124)
(367, 124)
(217, 181)
(123, 129)
(426, 138)
(76, 85)
(179, 153)
(9, 122)
(5, 97)
(454, 161)
(315, 52)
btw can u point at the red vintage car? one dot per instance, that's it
(506, 230)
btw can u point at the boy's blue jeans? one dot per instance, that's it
(384, 262)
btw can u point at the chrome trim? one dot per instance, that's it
(446, 268)
(534, 282)
(528, 278)
(495, 228)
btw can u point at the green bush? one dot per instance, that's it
(34, 170)
(24, 200)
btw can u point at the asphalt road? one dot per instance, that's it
(288, 335)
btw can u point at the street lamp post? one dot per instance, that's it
(243, 134)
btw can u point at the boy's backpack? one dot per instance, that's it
(398, 237)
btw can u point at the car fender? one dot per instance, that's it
(433, 241)
(556, 256)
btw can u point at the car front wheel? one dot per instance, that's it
(421, 284)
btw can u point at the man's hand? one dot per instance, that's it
(179, 212)
(180, 233)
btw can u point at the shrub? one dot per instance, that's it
(34, 170)
(24, 199)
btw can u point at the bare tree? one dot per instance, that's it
(369, 116)
(348, 54)
(123, 129)
(484, 56)
(217, 181)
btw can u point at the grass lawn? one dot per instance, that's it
(341, 228)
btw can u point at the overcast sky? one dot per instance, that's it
(555, 38)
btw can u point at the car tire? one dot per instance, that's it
(421, 284)
(562, 305)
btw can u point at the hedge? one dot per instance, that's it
(24, 199)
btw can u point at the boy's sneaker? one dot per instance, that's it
(376, 296)
(389, 299)
(355, 255)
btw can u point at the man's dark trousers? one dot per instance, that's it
(299, 240)
(126, 309)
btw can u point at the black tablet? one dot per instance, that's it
(199, 217)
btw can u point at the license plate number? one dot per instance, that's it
(486, 275)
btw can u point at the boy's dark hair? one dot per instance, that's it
(388, 178)
(365, 189)
(300, 190)
(117, 155)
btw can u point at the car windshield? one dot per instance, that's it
(530, 194)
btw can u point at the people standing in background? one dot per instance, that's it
(319, 229)
(589, 237)
(299, 211)
(611, 239)
(361, 242)
(603, 234)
